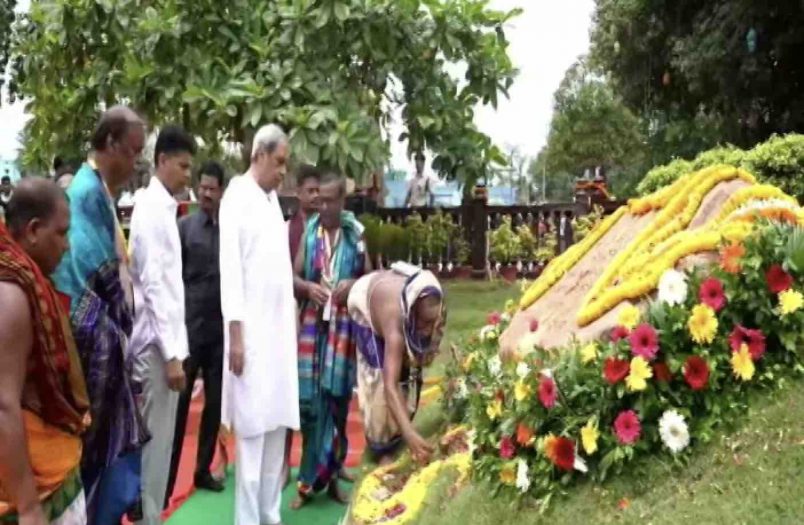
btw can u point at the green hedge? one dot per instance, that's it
(778, 161)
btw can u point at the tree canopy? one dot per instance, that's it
(331, 72)
(705, 72)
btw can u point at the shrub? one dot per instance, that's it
(778, 161)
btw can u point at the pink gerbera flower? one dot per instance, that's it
(627, 427)
(618, 333)
(547, 392)
(754, 339)
(644, 341)
(711, 294)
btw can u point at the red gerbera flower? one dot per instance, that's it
(778, 280)
(547, 392)
(644, 341)
(534, 325)
(754, 339)
(615, 370)
(618, 332)
(561, 451)
(507, 448)
(662, 372)
(711, 294)
(627, 427)
(493, 318)
(696, 372)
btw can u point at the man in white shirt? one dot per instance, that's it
(419, 192)
(260, 383)
(159, 338)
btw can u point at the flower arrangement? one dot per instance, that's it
(680, 370)
(394, 494)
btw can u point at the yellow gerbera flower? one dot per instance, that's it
(494, 409)
(468, 360)
(589, 353)
(702, 324)
(589, 437)
(508, 474)
(521, 391)
(790, 301)
(510, 307)
(629, 316)
(639, 372)
(742, 364)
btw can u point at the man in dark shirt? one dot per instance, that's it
(308, 179)
(201, 274)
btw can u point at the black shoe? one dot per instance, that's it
(207, 482)
(134, 513)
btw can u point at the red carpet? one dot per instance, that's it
(184, 482)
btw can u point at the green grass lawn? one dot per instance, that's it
(753, 473)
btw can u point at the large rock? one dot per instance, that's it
(557, 309)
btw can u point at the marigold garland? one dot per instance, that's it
(559, 266)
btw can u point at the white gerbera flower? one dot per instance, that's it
(673, 431)
(526, 344)
(673, 287)
(494, 365)
(488, 333)
(461, 392)
(580, 464)
(522, 370)
(505, 317)
(522, 480)
(471, 441)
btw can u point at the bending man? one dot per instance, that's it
(399, 318)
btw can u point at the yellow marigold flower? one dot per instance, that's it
(508, 474)
(702, 324)
(629, 316)
(589, 437)
(742, 364)
(589, 353)
(494, 409)
(790, 301)
(639, 372)
(521, 391)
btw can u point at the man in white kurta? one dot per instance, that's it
(260, 384)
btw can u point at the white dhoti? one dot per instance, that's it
(259, 480)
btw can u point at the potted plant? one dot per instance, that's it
(439, 230)
(463, 253)
(372, 237)
(417, 237)
(394, 243)
(506, 248)
(528, 244)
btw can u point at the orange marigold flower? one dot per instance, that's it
(730, 257)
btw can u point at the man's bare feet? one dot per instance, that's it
(335, 493)
(385, 460)
(344, 475)
(299, 502)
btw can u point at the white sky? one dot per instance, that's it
(545, 40)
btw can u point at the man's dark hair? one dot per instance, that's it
(172, 140)
(114, 124)
(33, 198)
(5, 179)
(306, 172)
(58, 162)
(213, 169)
(332, 176)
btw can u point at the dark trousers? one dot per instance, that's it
(209, 358)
